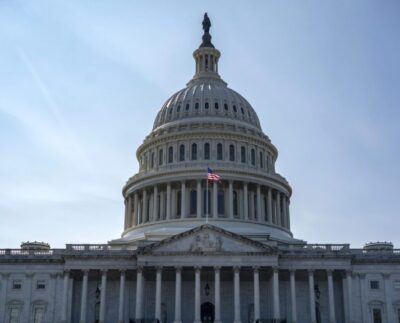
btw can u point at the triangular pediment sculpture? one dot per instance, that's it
(207, 239)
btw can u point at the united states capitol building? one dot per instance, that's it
(195, 251)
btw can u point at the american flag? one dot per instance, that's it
(212, 176)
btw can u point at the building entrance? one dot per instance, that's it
(207, 312)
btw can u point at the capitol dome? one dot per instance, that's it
(205, 126)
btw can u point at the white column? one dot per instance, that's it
(162, 205)
(127, 215)
(293, 295)
(260, 216)
(135, 220)
(102, 316)
(145, 206)
(215, 200)
(252, 211)
(197, 318)
(388, 298)
(199, 200)
(331, 298)
(311, 296)
(245, 202)
(278, 208)
(84, 296)
(158, 294)
(284, 211)
(256, 278)
(139, 294)
(178, 292)
(168, 215)
(121, 297)
(230, 200)
(217, 282)
(269, 205)
(183, 199)
(3, 294)
(363, 292)
(275, 288)
(155, 203)
(64, 308)
(288, 213)
(349, 280)
(236, 294)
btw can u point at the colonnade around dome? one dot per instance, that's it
(187, 199)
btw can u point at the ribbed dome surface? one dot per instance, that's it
(204, 98)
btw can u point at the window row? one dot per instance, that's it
(254, 157)
(17, 284)
(207, 106)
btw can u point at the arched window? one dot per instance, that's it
(241, 109)
(170, 110)
(219, 152)
(194, 151)
(226, 107)
(178, 108)
(243, 154)
(196, 106)
(170, 154)
(160, 157)
(193, 202)
(253, 157)
(234, 108)
(235, 204)
(221, 202)
(152, 160)
(232, 153)
(207, 200)
(182, 153)
(216, 106)
(206, 151)
(187, 106)
(261, 160)
(206, 106)
(178, 204)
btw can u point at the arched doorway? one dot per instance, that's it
(207, 312)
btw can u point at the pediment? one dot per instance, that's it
(207, 239)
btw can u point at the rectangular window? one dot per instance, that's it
(41, 284)
(14, 315)
(16, 284)
(377, 315)
(374, 284)
(38, 315)
(396, 284)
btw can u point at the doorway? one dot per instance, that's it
(207, 312)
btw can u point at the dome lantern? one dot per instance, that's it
(206, 56)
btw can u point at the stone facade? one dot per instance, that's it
(194, 250)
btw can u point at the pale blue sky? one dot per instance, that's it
(81, 83)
